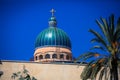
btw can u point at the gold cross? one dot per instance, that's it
(52, 11)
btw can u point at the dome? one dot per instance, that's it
(53, 36)
(52, 44)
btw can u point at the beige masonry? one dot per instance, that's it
(42, 71)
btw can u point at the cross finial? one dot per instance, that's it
(52, 11)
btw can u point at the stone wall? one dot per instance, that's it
(42, 71)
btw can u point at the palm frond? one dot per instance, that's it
(101, 39)
(108, 35)
(109, 62)
(117, 35)
(118, 24)
(96, 68)
(97, 47)
(95, 40)
(101, 74)
(117, 31)
(104, 74)
(87, 71)
(109, 41)
(27, 77)
(102, 27)
(111, 28)
(111, 24)
(88, 55)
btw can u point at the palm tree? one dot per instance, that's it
(108, 40)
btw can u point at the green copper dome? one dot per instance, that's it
(53, 36)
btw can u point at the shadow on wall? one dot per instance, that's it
(0, 62)
(1, 72)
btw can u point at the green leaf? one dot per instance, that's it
(111, 24)
(95, 40)
(102, 27)
(28, 77)
(87, 71)
(21, 78)
(33, 78)
(97, 47)
(101, 74)
(18, 72)
(99, 37)
(118, 24)
(25, 71)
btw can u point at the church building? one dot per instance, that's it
(52, 58)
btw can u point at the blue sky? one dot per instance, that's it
(22, 20)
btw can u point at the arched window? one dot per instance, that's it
(54, 56)
(36, 58)
(61, 56)
(67, 57)
(47, 56)
(41, 57)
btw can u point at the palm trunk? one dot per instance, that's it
(114, 70)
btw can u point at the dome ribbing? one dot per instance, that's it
(53, 36)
